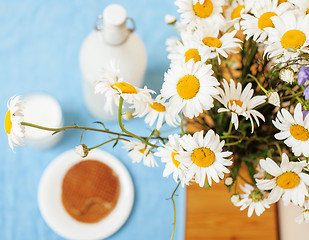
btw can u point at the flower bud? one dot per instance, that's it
(128, 115)
(273, 98)
(170, 19)
(287, 75)
(235, 198)
(228, 181)
(82, 150)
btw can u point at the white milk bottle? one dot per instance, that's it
(111, 41)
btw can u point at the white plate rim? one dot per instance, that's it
(56, 217)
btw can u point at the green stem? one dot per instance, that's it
(56, 130)
(297, 97)
(229, 136)
(125, 130)
(230, 128)
(174, 207)
(245, 180)
(113, 139)
(258, 82)
(249, 57)
(181, 125)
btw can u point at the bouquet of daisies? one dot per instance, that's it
(239, 78)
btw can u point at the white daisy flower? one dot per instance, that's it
(287, 75)
(293, 130)
(255, 24)
(172, 44)
(197, 12)
(289, 37)
(234, 12)
(190, 87)
(289, 181)
(259, 172)
(204, 156)
(303, 217)
(140, 152)
(211, 39)
(240, 103)
(303, 5)
(168, 153)
(158, 109)
(12, 123)
(113, 87)
(253, 198)
(188, 48)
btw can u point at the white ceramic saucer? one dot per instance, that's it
(52, 210)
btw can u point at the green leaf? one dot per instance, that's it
(251, 170)
(101, 123)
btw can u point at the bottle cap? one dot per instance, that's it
(114, 14)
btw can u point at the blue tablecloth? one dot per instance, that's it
(39, 49)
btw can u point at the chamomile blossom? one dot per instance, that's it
(303, 5)
(259, 172)
(240, 102)
(113, 86)
(168, 153)
(160, 110)
(303, 217)
(294, 130)
(255, 24)
(289, 37)
(210, 38)
(12, 123)
(188, 48)
(203, 157)
(197, 12)
(234, 12)
(140, 152)
(190, 87)
(254, 199)
(289, 181)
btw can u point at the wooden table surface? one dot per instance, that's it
(211, 216)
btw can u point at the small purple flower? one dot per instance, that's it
(305, 112)
(303, 77)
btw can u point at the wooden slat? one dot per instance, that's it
(211, 215)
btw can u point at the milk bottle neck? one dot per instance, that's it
(115, 34)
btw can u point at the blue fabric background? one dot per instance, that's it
(39, 50)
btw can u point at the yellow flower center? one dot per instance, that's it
(307, 12)
(212, 42)
(192, 54)
(8, 122)
(203, 10)
(293, 39)
(236, 11)
(299, 132)
(176, 163)
(237, 102)
(256, 195)
(124, 87)
(288, 180)
(157, 106)
(281, 1)
(142, 151)
(265, 21)
(188, 86)
(203, 157)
